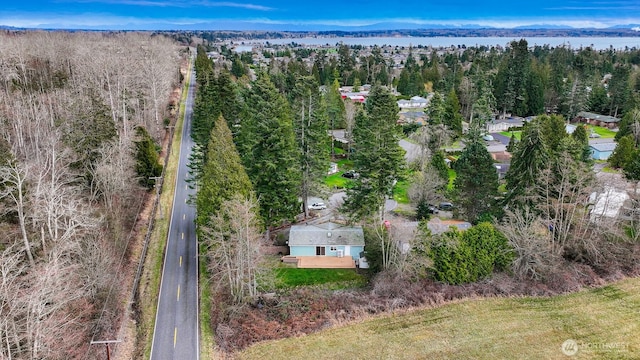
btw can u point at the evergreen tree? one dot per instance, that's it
(630, 125)
(582, 140)
(512, 143)
(147, 159)
(632, 170)
(623, 153)
(512, 79)
(476, 183)
(227, 99)
(335, 107)
(529, 159)
(238, 67)
(268, 150)
(453, 117)
(378, 157)
(437, 111)
(438, 163)
(223, 175)
(311, 125)
(553, 131)
(535, 92)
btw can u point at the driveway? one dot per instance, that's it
(501, 138)
(336, 200)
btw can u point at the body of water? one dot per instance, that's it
(598, 43)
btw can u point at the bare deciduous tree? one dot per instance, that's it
(234, 241)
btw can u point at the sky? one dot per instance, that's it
(284, 14)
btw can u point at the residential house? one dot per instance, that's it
(597, 119)
(328, 240)
(409, 117)
(602, 151)
(415, 102)
(498, 125)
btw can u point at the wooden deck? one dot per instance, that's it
(322, 262)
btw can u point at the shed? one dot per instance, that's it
(327, 239)
(602, 151)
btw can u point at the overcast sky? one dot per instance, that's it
(136, 14)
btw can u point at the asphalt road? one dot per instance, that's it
(176, 333)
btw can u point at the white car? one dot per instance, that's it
(317, 206)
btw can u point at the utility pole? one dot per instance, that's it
(106, 343)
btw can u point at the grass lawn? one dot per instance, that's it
(610, 170)
(452, 178)
(336, 181)
(400, 192)
(287, 277)
(602, 131)
(517, 134)
(604, 323)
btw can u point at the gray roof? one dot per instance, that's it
(594, 116)
(610, 146)
(326, 234)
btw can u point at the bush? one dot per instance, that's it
(464, 257)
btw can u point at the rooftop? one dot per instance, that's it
(598, 117)
(326, 234)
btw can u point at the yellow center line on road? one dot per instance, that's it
(175, 337)
(178, 293)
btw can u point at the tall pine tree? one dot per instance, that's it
(266, 141)
(378, 158)
(476, 183)
(223, 175)
(311, 125)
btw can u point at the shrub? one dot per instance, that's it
(463, 257)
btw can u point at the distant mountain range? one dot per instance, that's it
(398, 28)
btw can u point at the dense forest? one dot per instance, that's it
(82, 116)
(256, 115)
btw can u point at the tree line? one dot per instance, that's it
(81, 118)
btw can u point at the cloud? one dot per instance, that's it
(175, 4)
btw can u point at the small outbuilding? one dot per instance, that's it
(602, 151)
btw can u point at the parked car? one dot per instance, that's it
(433, 209)
(317, 206)
(488, 137)
(594, 135)
(351, 174)
(445, 206)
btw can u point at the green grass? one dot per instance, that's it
(610, 170)
(602, 131)
(400, 192)
(287, 277)
(604, 322)
(336, 181)
(517, 134)
(452, 178)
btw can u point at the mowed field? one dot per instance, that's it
(603, 322)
